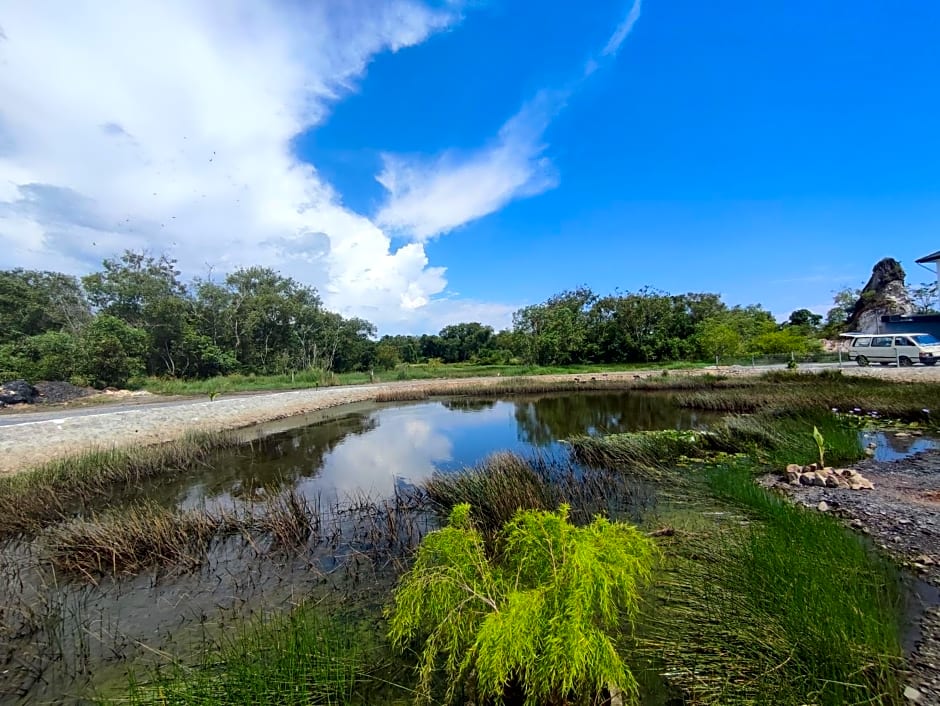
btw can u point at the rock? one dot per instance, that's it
(861, 483)
(18, 392)
(925, 560)
(912, 694)
(833, 481)
(884, 295)
(819, 479)
(794, 468)
(793, 473)
(806, 479)
(901, 435)
(848, 473)
(823, 506)
(811, 468)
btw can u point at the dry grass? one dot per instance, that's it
(58, 490)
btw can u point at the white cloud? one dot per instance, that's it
(168, 125)
(428, 197)
(623, 30)
(431, 196)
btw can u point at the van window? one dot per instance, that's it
(900, 341)
(925, 339)
(881, 342)
(861, 342)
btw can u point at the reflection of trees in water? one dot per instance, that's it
(463, 404)
(543, 420)
(274, 463)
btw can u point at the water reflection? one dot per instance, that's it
(373, 452)
(544, 420)
(894, 446)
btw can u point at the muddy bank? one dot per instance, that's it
(901, 516)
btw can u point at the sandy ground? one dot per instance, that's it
(31, 437)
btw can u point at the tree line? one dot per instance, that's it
(135, 317)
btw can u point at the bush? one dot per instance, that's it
(111, 352)
(541, 619)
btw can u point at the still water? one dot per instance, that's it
(373, 451)
(63, 639)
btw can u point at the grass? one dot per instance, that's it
(424, 371)
(132, 539)
(59, 489)
(789, 604)
(304, 657)
(798, 392)
(505, 483)
(770, 439)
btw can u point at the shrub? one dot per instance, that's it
(541, 618)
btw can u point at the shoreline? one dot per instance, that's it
(27, 443)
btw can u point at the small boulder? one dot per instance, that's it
(806, 479)
(823, 506)
(913, 695)
(819, 479)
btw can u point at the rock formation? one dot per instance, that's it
(884, 295)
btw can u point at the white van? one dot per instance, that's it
(900, 348)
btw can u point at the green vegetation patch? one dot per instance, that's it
(540, 617)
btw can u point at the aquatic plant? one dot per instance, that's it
(505, 483)
(783, 605)
(301, 658)
(541, 615)
(821, 445)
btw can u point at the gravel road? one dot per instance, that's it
(30, 437)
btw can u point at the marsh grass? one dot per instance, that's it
(794, 393)
(60, 489)
(130, 540)
(789, 603)
(771, 439)
(300, 658)
(505, 483)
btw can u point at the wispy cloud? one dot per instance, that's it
(427, 197)
(431, 195)
(623, 30)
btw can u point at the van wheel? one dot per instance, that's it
(904, 361)
(862, 361)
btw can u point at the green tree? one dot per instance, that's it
(718, 338)
(33, 302)
(805, 320)
(924, 297)
(111, 352)
(542, 615)
(46, 356)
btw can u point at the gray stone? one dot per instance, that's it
(912, 694)
(823, 506)
(884, 295)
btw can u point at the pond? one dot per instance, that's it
(61, 640)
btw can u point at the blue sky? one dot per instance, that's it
(424, 163)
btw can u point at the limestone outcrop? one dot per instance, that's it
(884, 295)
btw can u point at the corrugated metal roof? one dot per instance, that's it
(935, 257)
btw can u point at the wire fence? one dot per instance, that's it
(784, 359)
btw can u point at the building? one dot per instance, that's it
(916, 323)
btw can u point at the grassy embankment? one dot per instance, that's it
(757, 601)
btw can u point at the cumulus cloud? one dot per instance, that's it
(427, 197)
(169, 126)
